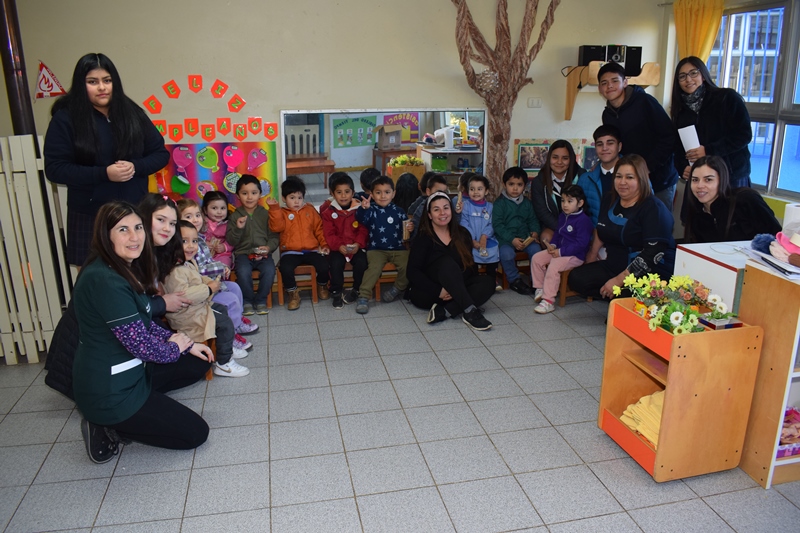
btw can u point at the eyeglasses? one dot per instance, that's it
(692, 73)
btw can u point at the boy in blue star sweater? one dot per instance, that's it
(384, 221)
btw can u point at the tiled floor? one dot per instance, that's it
(376, 423)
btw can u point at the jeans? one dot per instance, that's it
(507, 259)
(338, 262)
(244, 267)
(224, 331)
(289, 262)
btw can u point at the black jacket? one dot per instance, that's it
(61, 353)
(750, 216)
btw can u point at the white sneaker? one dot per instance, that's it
(537, 295)
(544, 307)
(231, 369)
(239, 353)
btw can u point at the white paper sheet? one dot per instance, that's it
(689, 138)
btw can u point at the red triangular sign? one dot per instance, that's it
(47, 85)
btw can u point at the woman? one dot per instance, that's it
(441, 249)
(111, 382)
(717, 213)
(101, 145)
(636, 230)
(558, 172)
(719, 116)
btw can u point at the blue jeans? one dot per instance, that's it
(244, 267)
(667, 196)
(507, 255)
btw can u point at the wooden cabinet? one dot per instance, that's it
(708, 379)
(773, 302)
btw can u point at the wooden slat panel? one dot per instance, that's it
(57, 200)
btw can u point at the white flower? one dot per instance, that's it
(676, 318)
(722, 308)
(653, 309)
(714, 299)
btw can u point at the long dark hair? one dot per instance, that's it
(167, 256)
(453, 227)
(141, 273)
(677, 102)
(125, 115)
(694, 207)
(406, 191)
(572, 171)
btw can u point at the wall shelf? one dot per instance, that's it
(587, 75)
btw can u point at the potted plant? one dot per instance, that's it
(405, 163)
(719, 315)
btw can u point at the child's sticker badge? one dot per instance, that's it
(205, 187)
(334, 216)
(291, 216)
(230, 181)
(390, 220)
(355, 223)
(486, 216)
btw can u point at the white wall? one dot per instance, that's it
(313, 54)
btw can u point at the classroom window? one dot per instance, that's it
(760, 152)
(789, 175)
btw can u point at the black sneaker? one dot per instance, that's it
(100, 447)
(476, 320)
(391, 294)
(350, 297)
(337, 300)
(436, 314)
(521, 287)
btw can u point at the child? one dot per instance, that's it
(302, 241)
(198, 320)
(215, 209)
(229, 295)
(514, 221)
(565, 251)
(463, 193)
(346, 238)
(436, 183)
(406, 191)
(384, 221)
(253, 243)
(368, 175)
(599, 181)
(423, 184)
(476, 216)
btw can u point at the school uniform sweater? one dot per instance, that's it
(573, 235)
(513, 219)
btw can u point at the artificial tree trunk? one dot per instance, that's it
(505, 75)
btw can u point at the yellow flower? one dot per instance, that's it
(653, 324)
(629, 280)
(679, 330)
(693, 320)
(616, 290)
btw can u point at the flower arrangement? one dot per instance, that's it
(719, 310)
(676, 317)
(406, 161)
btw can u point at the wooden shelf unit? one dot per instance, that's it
(708, 379)
(587, 75)
(773, 302)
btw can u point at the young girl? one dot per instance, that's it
(198, 320)
(476, 216)
(230, 295)
(215, 209)
(565, 251)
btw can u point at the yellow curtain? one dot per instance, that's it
(696, 26)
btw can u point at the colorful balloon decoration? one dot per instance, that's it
(207, 157)
(256, 158)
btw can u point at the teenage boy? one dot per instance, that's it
(514, 221)
(599, 181)
(384, 222)
(645, 127)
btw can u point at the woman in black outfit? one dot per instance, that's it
(441, 271)
(101, 145)
(717, 213)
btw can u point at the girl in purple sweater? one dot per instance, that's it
(565, 251)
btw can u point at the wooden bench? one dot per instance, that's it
(565, 292)
(302, 283)
(311, 166)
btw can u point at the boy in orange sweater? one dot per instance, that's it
(302, 241)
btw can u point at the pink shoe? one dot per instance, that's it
(241, 343)
(246, 328)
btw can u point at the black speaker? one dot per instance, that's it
(615, 53)
(590, 52)
(633, 60)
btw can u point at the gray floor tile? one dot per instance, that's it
(301, 438)
(610, 523)
(296, 353)
(228, 411)
(464, 459)
(508, 414)
(634, 488)
(727, 481)
(161, 526)
(755, 510)
(594, 392)
(543, 378)
(254, 383)
(197, 390)
(20, 464)
(401, 343)
(452, 339)
(598, 341)
(68, 461)
(373, 430)
(486, 385)
(32, 428)
(572, 348)
(566, 407)
(310, 479)
(417, 510)
(570, 493)
(20, 375)
(138, 458)
(354, 328)
(413, 365)
(136, 499)
(590, 442)
(73, 504)
(257, 520)
(551, 331)
(9, 396)
(418, 392)
(467, 360)
(383, 309)
(279, 316)
(791, 491)
(534, 449)
(497, 504)
(238, 488)
(391, 325)
(449, 421)
(42, 398)
(9, 500)
(300, 404)
(525, 354)
(72, 429)
(291, 333)
(234, 445)
(504, 334)
(575, 309)
(587, 373)
(388, 469)
(333, 516)
(300, 376)
(692, 516)
(365, 397)
(356, 371)
(349, 348)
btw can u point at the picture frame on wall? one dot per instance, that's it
(590, 158)
(532, 156)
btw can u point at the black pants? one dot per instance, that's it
(338, 262)
(291, 261)
(589, 278)
(224, 331)
(466, 289)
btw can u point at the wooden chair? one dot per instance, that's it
(256, 276)
(523, 265)
(388, 275)
(565, 292)
(302, 283)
